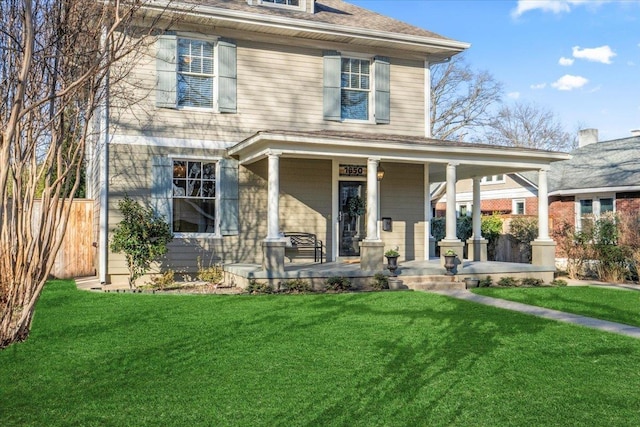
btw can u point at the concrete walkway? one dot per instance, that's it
(603, 325)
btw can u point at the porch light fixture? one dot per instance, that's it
(380, 172)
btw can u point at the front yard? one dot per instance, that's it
(357, 359)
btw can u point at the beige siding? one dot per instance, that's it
(279, 87)
(305, 205)
(402, 199)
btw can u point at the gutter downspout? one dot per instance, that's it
(103, 178)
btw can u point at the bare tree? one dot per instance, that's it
(461, 99)
(529, 125)
(54, 58)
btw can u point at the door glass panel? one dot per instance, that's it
(352, 204)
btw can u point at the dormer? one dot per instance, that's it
(308, 6)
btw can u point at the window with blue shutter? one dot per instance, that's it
(356, 88)
(187, 70)
(195, 195)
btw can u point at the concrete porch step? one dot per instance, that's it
(437, 286)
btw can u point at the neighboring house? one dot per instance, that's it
(256, 118)
(602, 176)
(510, 193)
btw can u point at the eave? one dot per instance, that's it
(430, 48)
(473, 160)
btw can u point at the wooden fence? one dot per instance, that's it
(77, 253)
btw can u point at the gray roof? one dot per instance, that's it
(335, 12)
(606, 164)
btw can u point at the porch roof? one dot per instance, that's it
(473, 159)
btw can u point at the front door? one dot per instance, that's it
(352, 206)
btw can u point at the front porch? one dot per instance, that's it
(416, 274)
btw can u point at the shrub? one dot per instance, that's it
(338, 284)
(486, 282)
(256, 287)
(531, 282)
(525, 230)
(508, 282)
(141, 235)
(491, 229)
(559, 282)
(380, 281)
(163, 280)
(297, 286)
(212, 274)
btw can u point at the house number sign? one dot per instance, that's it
(353, 170)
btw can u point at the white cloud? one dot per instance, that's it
(601, 54)
(565, 62)
(569, 82)
(514, 95)
(538, 86)
(553, 6)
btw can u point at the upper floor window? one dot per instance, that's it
(287, 4)
(284, 2)
(196, 73)
(356, 88)
(493, 179)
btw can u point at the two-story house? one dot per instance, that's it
(260, 117)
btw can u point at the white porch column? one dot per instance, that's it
(476, 245)
(543, 206)
(372, 200)
(543, 249)
(476, 211)
(429, 241)
(273, 196)
(450, 232)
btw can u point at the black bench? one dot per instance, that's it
(305, 242)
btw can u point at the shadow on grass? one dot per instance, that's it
(390, 358)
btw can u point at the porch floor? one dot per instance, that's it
(407, 269)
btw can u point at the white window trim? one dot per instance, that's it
(596, 206)
(468, 205)
(514, 205)
(371, 98)
(216, 234)
(216, 71)
(301, 6)
(494, 180)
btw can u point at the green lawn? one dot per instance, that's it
(615, 305)
(362, 359)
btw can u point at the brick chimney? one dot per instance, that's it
(587, 136)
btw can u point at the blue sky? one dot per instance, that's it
(578, 58)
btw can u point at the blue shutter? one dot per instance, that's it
(227, 81)
(383, 90)
(331, 92)
(229, 197)
(161, 186)
(166, 71)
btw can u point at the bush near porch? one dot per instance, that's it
(607, 248)
(391, 358)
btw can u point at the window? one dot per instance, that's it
(356, 88)
(493, 179)
(283, 2)
(195, 73)
(356, 84)
(590, 208)
(518, 207)
(194, 196)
